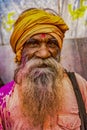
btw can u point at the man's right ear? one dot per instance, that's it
(18, 76)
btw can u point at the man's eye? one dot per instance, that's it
(52, 43)
(32, 42)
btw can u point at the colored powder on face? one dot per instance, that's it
(43, 35)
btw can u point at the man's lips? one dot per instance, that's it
(43, 66)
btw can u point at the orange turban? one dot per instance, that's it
(33, 22)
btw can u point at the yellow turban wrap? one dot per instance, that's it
(36, 21)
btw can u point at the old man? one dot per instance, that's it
(41, 97)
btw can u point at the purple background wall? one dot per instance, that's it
(74, 55)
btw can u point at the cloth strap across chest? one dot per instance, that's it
(80, 102)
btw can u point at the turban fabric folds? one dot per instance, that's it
(33, 22)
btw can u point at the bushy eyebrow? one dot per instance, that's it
(33, 40)
(54, 40)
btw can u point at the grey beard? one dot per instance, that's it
(42, 76)
(39, 85)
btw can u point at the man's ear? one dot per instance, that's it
(18, 76)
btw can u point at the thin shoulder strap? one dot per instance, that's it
(80, 102)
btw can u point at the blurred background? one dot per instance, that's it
(74, 52)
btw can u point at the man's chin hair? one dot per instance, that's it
(40, 89)
(38, 103)
(42, 77)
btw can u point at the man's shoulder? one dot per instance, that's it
(80, 79)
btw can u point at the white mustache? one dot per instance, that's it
(41, 63)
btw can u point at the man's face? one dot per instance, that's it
(40, 78)
(41, 46)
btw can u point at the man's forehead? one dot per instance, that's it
(42, 36)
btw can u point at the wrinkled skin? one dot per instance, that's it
(40, 78)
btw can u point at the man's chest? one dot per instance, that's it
(66, 119)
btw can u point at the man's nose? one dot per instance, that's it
(43, 52)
